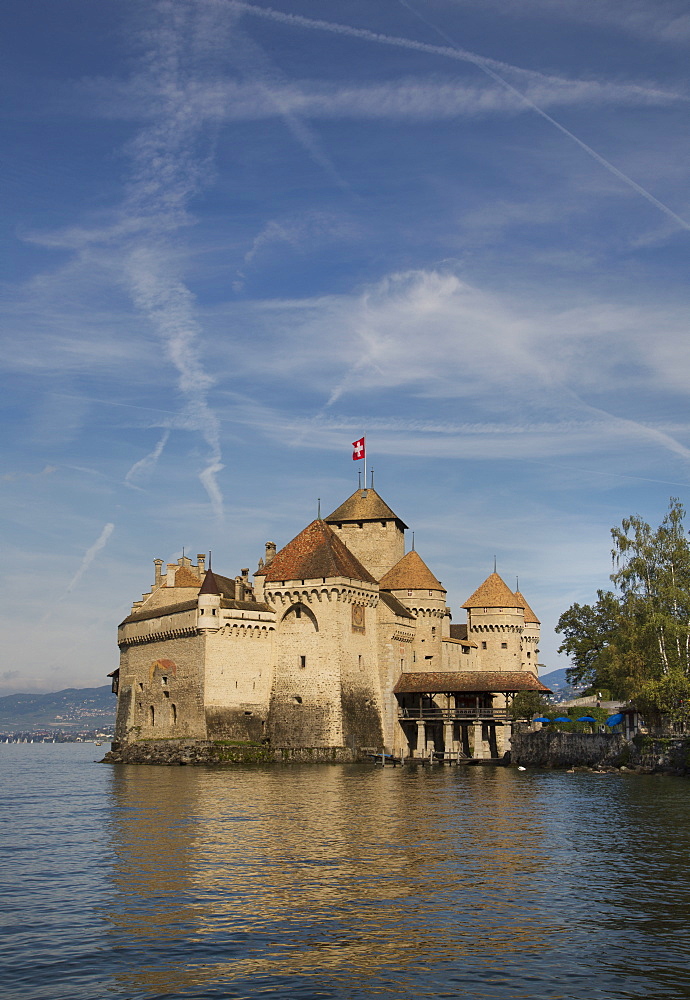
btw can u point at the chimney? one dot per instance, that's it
(157, 578)
(270, 552)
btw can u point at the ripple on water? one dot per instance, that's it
(339, 881)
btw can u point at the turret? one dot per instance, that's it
(209, 604)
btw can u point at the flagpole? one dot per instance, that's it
(365, 462)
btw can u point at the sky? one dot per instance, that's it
(237, 237)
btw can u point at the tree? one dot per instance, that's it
(527, 704)
(636, 640)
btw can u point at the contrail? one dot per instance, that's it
(90, 555)
(148, 462)
(452, 51)
(168, 169)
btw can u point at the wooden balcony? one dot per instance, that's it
(464, 714)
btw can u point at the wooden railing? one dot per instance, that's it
(452, 714)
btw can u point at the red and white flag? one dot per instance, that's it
(358, 453)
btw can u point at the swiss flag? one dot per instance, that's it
(358, 453)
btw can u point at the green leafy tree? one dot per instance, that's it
(527, 704)
(636, 640)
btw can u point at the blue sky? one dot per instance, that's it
(236, 238)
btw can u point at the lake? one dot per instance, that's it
(340, 881)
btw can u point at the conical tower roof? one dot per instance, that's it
(316, 552)
(410, 573)
(210, 584)
(493, 593)
(364, 505)
(530, 617)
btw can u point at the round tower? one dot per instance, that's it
(496, 622)
(209, 604)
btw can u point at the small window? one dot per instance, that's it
(164, 681)
(504, 645)
(483, 645)
(173, 712)
(152, 715)
(528, 655)
(409, 593)
(298, 610)
(359, 662)
(302, 662)
(141, 686)
(466, 649)
(166, 694)
(431, 593)
(297, 700)
(433, 631)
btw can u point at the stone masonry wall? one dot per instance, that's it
(162, 689)
(222, 752)
(565, 750)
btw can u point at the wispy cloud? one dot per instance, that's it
(493, 68)
(91, 554)
(407, 99)
(13, 477)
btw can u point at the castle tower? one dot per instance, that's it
(326, 690)
(371, 530)
(414, 585)
(530, 636)
(496, 622)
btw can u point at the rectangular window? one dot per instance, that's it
(302, 662)
(504, 645)
(483, 645)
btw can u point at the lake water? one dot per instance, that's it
(338, 881)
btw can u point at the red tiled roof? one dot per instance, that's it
(316, 552)
(530, 617)
(184, 577)
(437, 682)
(493, 593)
(364, 505)
(410, 573)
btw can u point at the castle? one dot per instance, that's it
(342, 639)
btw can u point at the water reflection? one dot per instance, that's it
(336, 871)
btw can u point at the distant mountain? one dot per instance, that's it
(556, 680)
(72, 710)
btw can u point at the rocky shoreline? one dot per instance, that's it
(172, 753)
(601, 752)
(571, 752)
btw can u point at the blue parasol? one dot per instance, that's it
(586, 718)
(542, 718)
(562, 718)
(614, 720)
